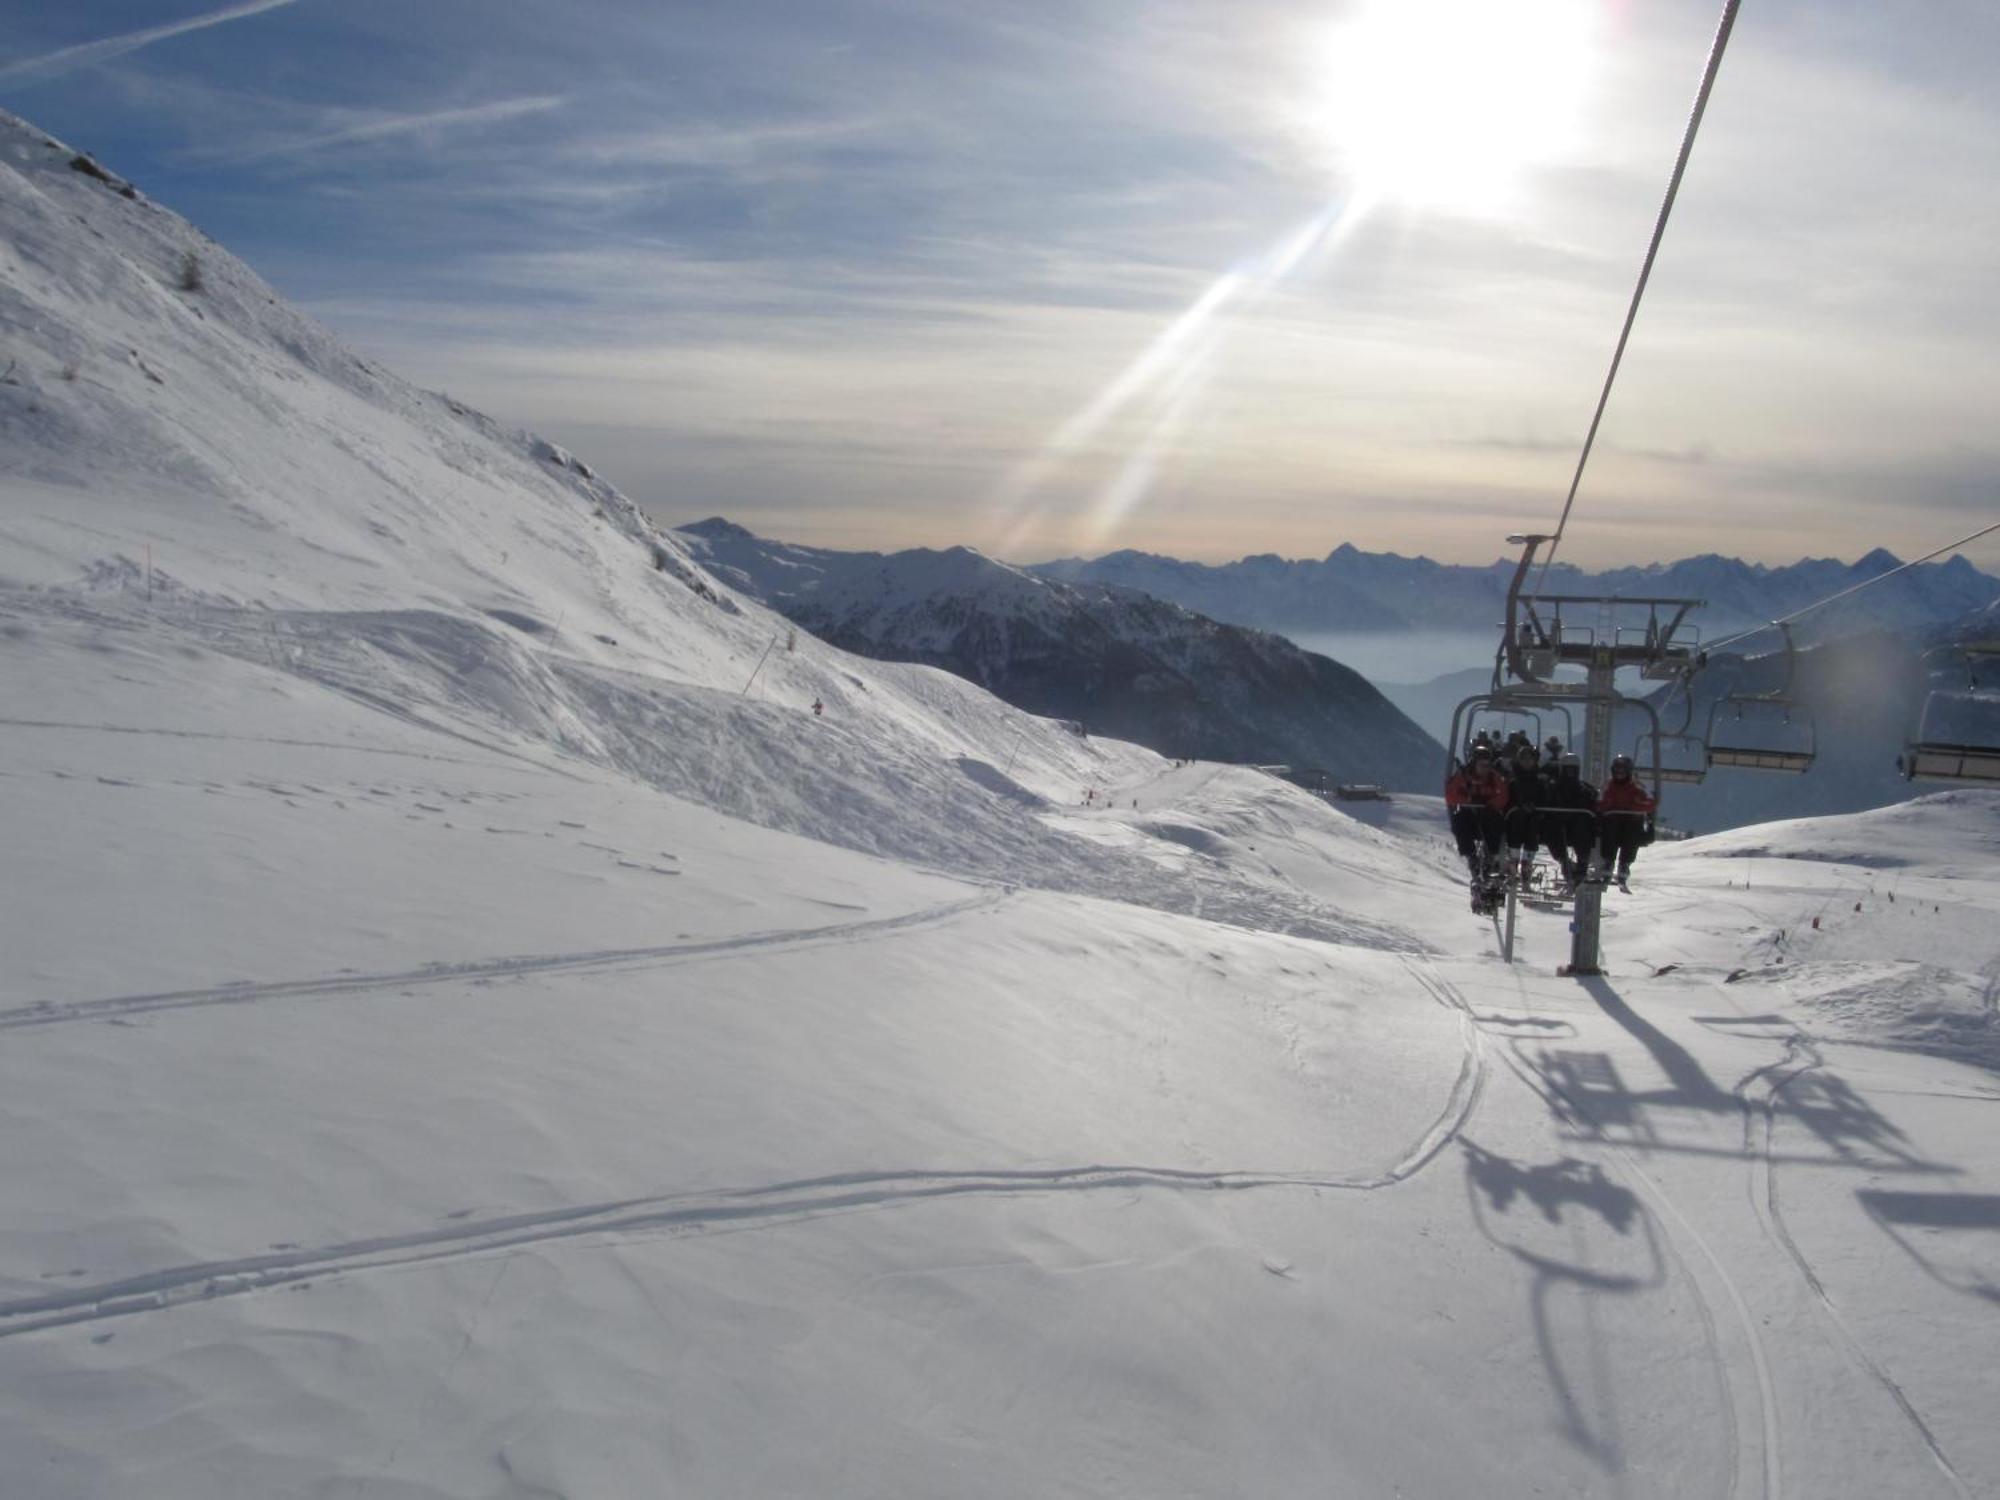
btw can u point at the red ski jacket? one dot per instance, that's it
(1470, 787)
(1625, 796)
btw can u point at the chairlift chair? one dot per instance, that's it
(1497, 730)
(1745, 753)
(1957, 739)
(1683, 758)
(1678, 755)
(1928, 760)
(1763, 731)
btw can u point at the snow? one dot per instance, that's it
(444, 1054)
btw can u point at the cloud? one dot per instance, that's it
(741, 146)
(87, 53)
(390, 126)
(869, 261)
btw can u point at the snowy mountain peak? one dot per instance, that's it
(162, 399)
(1354, 591)
(193, 466)
(717, 527)
(1122, 661)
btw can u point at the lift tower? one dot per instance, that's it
(1537, 642)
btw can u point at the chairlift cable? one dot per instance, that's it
(1851, 589)
(1645, 270)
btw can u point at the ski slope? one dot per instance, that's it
(469, 1029)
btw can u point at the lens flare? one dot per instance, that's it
(1160, 390)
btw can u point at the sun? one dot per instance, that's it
(1445, 103)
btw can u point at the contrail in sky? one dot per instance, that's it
(86, 53)
(386, 126)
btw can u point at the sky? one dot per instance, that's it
(1198, 278)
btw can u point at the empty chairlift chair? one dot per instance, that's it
(1958, 735)
(1763, 731)
(1761, 734)
(1683, 757)
(1677, 755)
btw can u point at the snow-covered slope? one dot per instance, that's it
(207, 460)
(1120, 662)
(447, 1054)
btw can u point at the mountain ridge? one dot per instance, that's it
(1113, 659)
(1350, 590)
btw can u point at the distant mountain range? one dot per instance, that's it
(1353, 591)
(1115, 660)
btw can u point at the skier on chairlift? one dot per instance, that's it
(1624, 819)
(1569, 824)
(1475, 797)
(1524, 800)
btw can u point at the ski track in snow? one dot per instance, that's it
(1758, 1096)
(341, 550)
(1765, 1477)
(247, 739)
(776, 1203)
(1762, 1111)
(385, 661)
(50, 1013)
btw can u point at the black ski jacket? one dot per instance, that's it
(1569, 792)
(1526, 789)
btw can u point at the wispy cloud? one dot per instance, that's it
(84, 54)
(737, 146)
(987, 272)
(384, 127)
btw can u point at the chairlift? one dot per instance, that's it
(1763, 731)
(1958, 733)
(1679, 755)
(1493, 721)
(1683, 758)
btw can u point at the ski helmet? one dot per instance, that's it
(1621, 765)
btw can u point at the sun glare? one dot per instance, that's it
(1445, 102)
